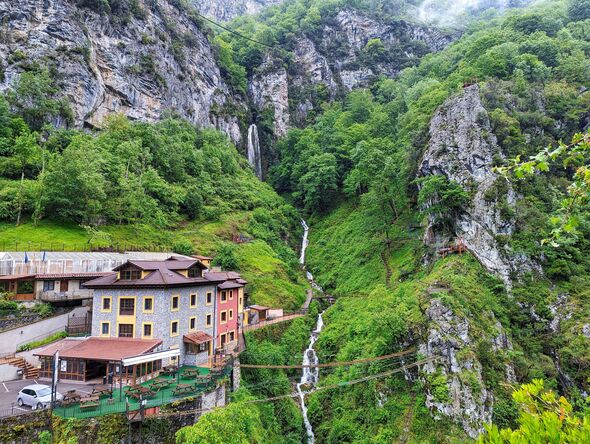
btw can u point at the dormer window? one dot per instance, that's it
(130, 275)
(195, 272)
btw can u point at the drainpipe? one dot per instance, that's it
(214, 321)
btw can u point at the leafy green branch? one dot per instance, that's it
(575, 155)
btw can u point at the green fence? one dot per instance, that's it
(120, 403)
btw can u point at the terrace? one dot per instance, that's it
(188, 382)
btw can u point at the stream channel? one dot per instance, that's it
(310, 375)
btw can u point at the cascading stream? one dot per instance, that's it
(309, 376)
(254, 156)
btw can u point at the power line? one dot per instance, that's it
(332, 364)
(232, 31)
(316, 389)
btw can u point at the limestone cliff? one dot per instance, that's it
(462, 147)
(330, 61)
(226, 10)
(156, 59)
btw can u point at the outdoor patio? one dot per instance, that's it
(171, 388)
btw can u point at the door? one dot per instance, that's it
(63, 286)
(28, 397)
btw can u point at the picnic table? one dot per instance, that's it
(170, 370)
(189, 373)
(159, 384)
(140, 391)
(89, 402)
(216, 372)
(101, 390)
(71, 397)
(183, 389)
(202, 379)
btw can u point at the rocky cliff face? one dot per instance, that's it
(335, 59)
(158, 59)
(454, 381)
(462, 148)
(226, 10)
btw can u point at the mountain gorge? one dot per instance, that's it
(399, 138)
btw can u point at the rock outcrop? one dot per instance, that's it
(334, 59)
(454, 382)
(155, 60)
(462, 147)
(226, 10)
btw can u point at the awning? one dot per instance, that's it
(198, 337)
(150, 357)
(100, 349)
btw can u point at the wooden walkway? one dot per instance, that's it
(272, 321)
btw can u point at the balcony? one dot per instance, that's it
(57, 296)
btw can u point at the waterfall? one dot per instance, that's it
(254, 157)
(304, 244)
(310, 376)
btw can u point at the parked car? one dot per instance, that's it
(38, 396)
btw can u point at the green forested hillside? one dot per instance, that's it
(355, 172)
(139, 185)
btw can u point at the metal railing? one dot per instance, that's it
(56, 296)
(285, 317)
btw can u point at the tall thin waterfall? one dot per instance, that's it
(304, 242)
(254, 157)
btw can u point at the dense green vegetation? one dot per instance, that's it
(276, 421)
(354, 170)
(138, 185)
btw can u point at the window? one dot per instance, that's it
(192, 323)
(231, 295)
(126, 307)
(193, 300)
(223, 339)
(105, 328)
(129, 275)
(174, 303)
(48, 285)
(208, 320)
(223, 296)
(125, 330)
(193, 349)
(195, 272)
(148, 304)
(231, 314)
(174, 328)
(209, 300)
(240, 302)
(232, 336)
(106, 304)
(224, 316)
(147, 329)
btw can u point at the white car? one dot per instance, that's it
(38, 396)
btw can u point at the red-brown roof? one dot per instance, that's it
(160, 274)
(229, 284)
(259, 307)
(15, 277)
(197, 337)
(100, 349)
(71, 275)
(206, 258)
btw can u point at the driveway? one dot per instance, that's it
(9, 391)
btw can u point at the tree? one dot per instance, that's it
(441, 199)
(26, 153)
(576, 157)
(226, 258)
(579, 10)
(319, 183)
(32, 98)
(544, 418)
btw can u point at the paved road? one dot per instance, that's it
(11, 339)
(9, 390)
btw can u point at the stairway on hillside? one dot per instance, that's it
(29, 371)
